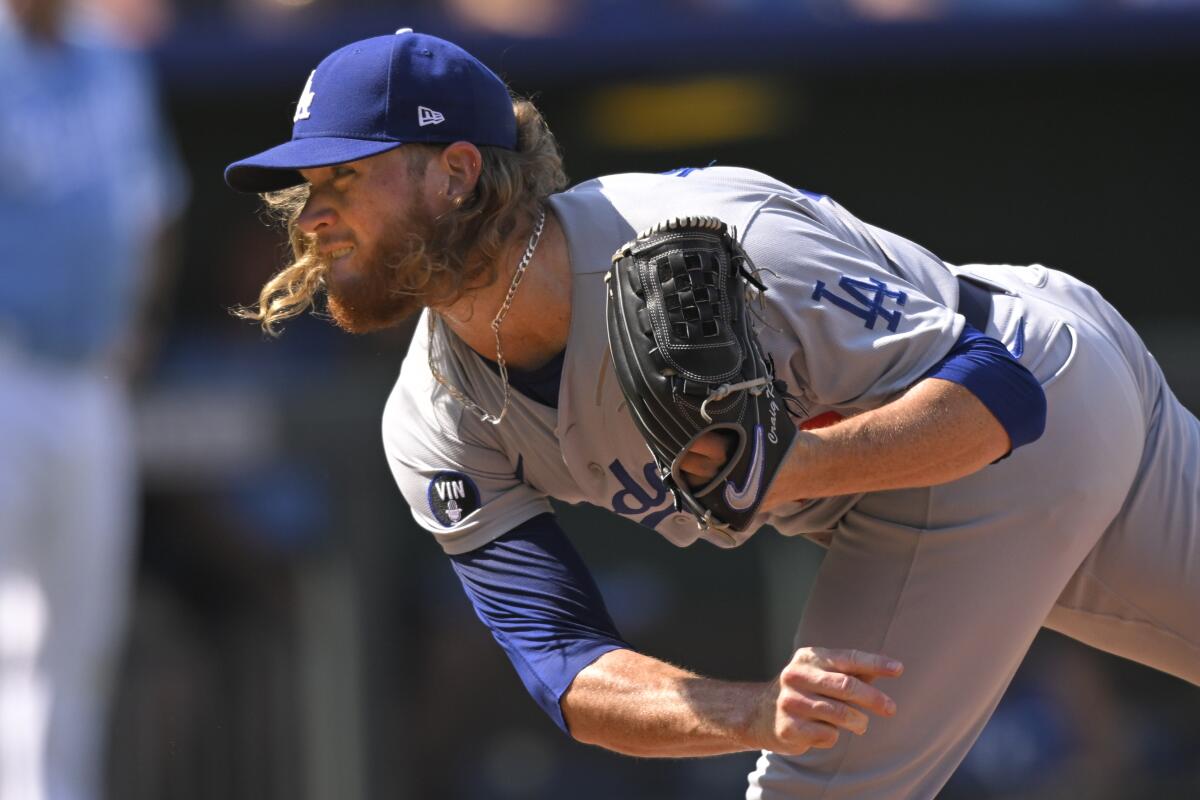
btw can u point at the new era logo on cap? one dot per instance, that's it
(427, 116)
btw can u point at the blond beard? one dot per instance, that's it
(395, 281)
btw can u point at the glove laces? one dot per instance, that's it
(756, 387)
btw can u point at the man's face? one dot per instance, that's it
(372, 222)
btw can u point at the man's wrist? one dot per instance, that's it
(749, 734)
(794, 475)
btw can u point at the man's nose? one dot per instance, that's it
(316, 215)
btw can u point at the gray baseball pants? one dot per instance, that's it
(1092, 531)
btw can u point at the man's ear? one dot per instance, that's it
(461, 162)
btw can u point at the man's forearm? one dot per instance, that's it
(640, 706)
(936, 432)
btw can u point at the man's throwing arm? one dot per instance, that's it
(533, 591)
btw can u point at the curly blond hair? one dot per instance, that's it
(462, 246)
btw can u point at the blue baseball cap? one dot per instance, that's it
(375, 95)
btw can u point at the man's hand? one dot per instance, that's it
(818, 695)
(705, 458)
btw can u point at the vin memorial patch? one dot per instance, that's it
(452, 496)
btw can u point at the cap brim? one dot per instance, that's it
(277, 168)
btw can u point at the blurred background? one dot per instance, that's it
(268, 622)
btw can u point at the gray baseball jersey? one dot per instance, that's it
(829, 357)
(1092, 529)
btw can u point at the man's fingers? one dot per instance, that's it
(797, 736)
(699, 467)
(713, 446)
(813, 701)
(852, 662)
(705, 458)
(832, 712)
(838, 686)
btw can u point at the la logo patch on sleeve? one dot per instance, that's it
(452, 496)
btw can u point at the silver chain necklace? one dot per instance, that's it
(522, 265)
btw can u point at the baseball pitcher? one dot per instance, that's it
(985, 450)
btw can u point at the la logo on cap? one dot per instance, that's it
(303, 108)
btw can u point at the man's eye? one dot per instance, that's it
(342, 172)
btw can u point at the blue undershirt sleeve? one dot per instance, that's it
(533, 591)
(1011, 392)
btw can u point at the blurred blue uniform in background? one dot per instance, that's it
(87, 181)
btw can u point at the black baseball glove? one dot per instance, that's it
(689, 362)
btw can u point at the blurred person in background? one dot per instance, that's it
(88, 184)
